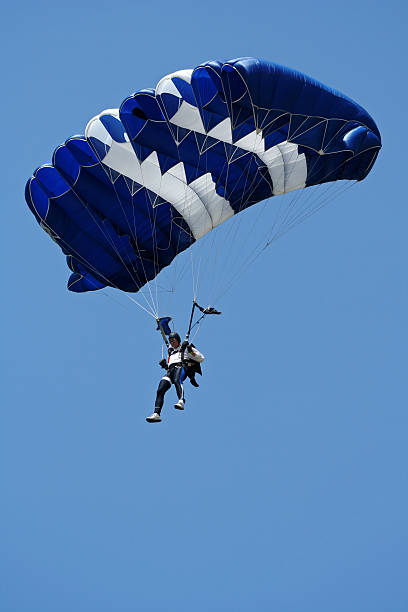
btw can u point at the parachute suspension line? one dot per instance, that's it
(147, 283)
(99, 224)
(211, 245)
(174, 272)
(323, 201)
(283, 215)
(168, 271)
(281, 233)
(177, 273)
(308, 198)
(259, 150)
(234, 230)
(152, 314)
(305, 199)
(97, 272)
(219, 272)
(196, 249)
(281, 226)
(310, 203)
(277, 230)
(197, 327)
(91, 266)
(235, 225)
(156, 247)
(153, 220)
(305, 211)
(284, 231)
(195, 268)
(192, 275)
(198, 278)
(284, 211)
(174, 131)
(110, 297)
(285, 219)
(154, 305)
(133, 275)
(237, 272)
(197, 255)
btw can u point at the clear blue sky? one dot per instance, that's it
(283, 485)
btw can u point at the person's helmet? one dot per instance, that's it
(175, 336)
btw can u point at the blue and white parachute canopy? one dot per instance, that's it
(151, 178)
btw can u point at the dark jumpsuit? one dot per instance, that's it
(176, 374)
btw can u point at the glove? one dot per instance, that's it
(163, 364)
(184, 345)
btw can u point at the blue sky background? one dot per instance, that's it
(283, 485)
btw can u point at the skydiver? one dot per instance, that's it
(183, 360)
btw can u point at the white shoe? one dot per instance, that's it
(153, 418)
(179, 405)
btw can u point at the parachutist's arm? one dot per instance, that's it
(194, 354)
(163, 364)
(192, 351)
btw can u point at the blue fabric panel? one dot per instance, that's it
(114, 127)
(81, 279)
(275, 86)
(90, 238)
(185, 89)
(311, 133)
(93, 213)
(36, 199)
(64, 231)
(131, 214)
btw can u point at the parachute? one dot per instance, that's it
(150, 179)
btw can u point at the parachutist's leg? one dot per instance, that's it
(164, 386)
(179, 377)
